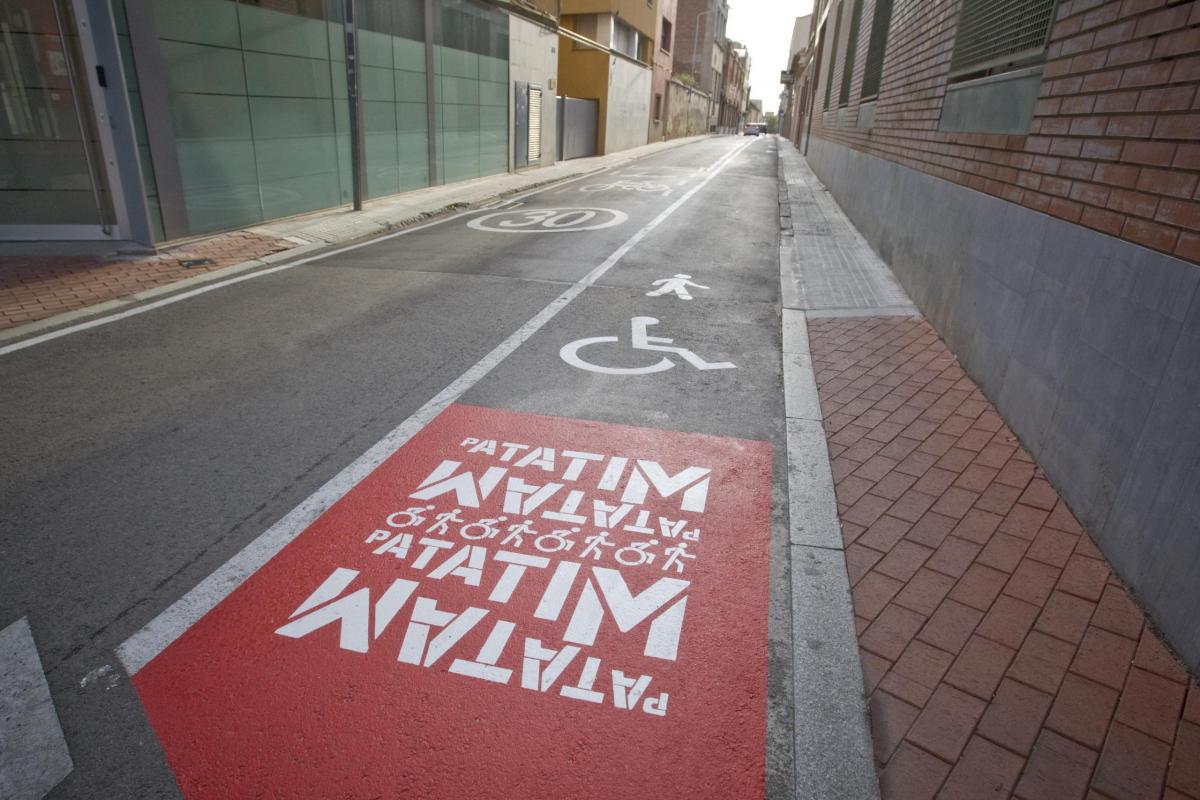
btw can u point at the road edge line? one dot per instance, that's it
(247, 270)
(499, 200)
(154, 637)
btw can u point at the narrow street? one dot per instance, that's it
(154, 464)
(599, 400)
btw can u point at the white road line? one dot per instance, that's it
(249, 276)
(33, 753)
(151, 640)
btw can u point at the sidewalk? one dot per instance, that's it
(1001, 656)
(39, 292)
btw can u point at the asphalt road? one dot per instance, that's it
(139, 457)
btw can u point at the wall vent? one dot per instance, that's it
(996, 34)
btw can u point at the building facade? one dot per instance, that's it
(533, 71)
(664, 47)
(153, 121)
(793, 102)
(605, 56)
(700, 47)
(157, 120)
(1031, 174)
(754, 111)
(731, 113)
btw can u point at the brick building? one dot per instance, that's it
(1030, 170)
(793, 102)
(700, 46)
(734, 89)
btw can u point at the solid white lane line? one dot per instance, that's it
(151, 640)
(249, 276)
(33, 755)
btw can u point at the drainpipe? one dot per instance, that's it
(696, 45)
(353, 94)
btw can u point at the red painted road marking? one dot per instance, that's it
(510, 606)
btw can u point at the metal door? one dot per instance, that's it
(521, 123)
(577, 120)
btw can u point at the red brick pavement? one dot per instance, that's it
(1001, 655)
(34, 288)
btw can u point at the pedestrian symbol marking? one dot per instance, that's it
(677, 285)
(639, 340)
(549, 220)
(502, 589)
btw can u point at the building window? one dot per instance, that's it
(658, 108)
(833, 43)
(666, 35)
(1000, 35)
(625, 39)
(873, 70)
(851, 49)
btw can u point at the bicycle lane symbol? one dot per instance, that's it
(639, 340)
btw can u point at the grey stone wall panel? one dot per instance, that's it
(1088, 345)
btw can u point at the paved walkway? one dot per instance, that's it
(835, 267)
(36, 287)
(39, 291)
(1000, 654)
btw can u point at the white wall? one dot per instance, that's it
(533, 58)
(628, 117)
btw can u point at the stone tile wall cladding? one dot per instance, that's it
(1060, 266)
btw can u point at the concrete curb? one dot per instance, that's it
(834, 755)
(356, 229)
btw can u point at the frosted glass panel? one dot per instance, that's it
(259, 108)
(254, 104)
(391, 37)
(471, 111)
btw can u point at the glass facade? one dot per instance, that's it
(50, 162)
(252, 103)
(259, 112)
(391, 41)
(470, 58)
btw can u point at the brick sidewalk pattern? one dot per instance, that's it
(34, 288)
(1001, 655)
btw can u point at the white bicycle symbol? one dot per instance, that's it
(648, 187)
(639, 340)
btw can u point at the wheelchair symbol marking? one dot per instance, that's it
(639, 340)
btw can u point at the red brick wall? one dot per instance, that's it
(1115, 140)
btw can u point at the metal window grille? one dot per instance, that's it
(535, 124)
(833, 43)
(1000, 33)
(873, 69)
(851, 50)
